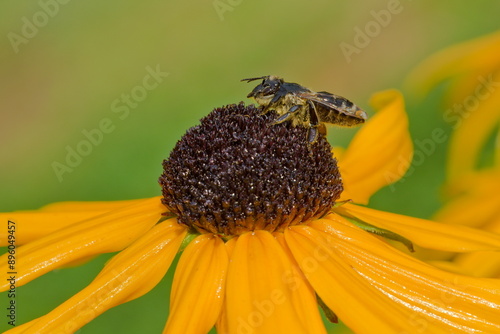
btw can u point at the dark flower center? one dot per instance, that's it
(236, 172)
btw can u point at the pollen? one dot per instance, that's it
(237, 172)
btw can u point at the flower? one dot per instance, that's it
(472, 69)
(263, 238)
(474, 95)
(476, 204)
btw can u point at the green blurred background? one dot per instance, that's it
(67, 66)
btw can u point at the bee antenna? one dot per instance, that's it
(253, 79)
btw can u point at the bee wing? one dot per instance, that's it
(335, 109)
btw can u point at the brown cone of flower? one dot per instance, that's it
(237, 172)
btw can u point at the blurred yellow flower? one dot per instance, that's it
(264, 276)
(473, 97)
(477, 204)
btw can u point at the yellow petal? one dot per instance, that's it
(477, 55)
(460, 88)
(307, 307)
(451, 302)
(473, 127)
(497, 151)
(21, 328)
(32, 225)
(381, 151)
(474, 97)
(338, 152)
(449, 266)
(261, 297)
(88, 205)
(106, 233)
(222, 323)
(425, 233)
(198, 287)
(128, 275)
(470, 210)
(346, 293)
(479, 264)
(481, 183)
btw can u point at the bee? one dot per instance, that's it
(304, 107)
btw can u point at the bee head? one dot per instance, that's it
(269, 86)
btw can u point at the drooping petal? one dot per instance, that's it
(425, 233)
(473, 96)
(106, 233)
(129, 275)
(261, 297)
(475, 124)
(451, 302)
(345, 292)
(462, 88)
(381, 151)
(198, 287)
(32, 225)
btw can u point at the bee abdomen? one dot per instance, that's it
(343, 119)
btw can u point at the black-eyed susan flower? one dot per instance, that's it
(471, 71)
(266, 240)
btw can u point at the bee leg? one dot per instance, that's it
(295, 108)
(265, 110)
(312, 135)
(314, 124)
(276, 98)
(273, 101)
(285, 117)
